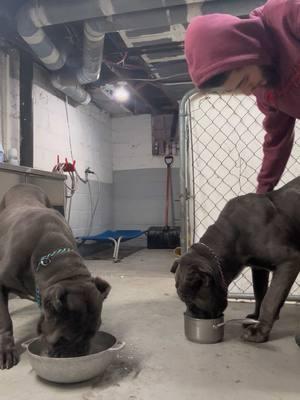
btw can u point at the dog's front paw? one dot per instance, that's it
(253, 316)
(257, 333)
(8, 353)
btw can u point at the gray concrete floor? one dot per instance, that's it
(158, 363)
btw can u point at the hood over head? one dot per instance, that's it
(217, 43)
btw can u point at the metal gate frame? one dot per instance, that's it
(186, 184)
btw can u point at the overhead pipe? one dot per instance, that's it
(170, 15)
(36, 14)
(113, 16)
(101, 16)
(54, 60)
(29, 25)
(93, 46)
(151, 19)
(68, 84)
(61, 11)
(30, 19)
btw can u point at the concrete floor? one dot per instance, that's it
(158, 363)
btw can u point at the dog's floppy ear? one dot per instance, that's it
(200, 277)
(103, 286)
(174, 266)
(54, 298)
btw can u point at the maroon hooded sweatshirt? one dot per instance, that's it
(270, 36)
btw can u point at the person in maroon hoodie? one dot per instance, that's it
(258, 55)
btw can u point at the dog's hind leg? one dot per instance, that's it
(260, 279)
(8, 353)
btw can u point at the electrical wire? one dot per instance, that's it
(132, 67)
(73, 177)
(69, 209)
(61, 168)
(69, 129)
(93, 209)
(149, 80)
(81, 179)
(156, 79)
(122, 61)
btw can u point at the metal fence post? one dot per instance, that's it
(183, 167)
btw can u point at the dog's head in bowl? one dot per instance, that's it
(71, 316)
(199, 283)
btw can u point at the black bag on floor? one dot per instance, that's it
(163, 237)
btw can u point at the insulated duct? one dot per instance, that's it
(93, 46)
(113, 16)
(147, 20)
(30, 19)
(36, 14)
(30, 28)
(68, 84)
(103, 16)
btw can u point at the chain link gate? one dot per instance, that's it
(221, 151)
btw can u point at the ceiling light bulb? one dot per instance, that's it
(121, 94)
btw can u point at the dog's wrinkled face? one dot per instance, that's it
(199, 285)
(72, 316)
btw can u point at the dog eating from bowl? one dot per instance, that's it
(39, 261)
(256, 230)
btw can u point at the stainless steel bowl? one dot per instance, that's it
(204, 331)
(104, 349)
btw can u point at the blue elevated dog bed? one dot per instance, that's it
(116, 237)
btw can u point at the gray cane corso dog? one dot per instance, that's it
(39, 260)
(257, 230)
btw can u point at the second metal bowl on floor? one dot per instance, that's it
(204, 331)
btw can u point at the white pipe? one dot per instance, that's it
(5, 102)
(107, 16)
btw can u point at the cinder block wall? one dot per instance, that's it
(90, 131)
(139, 178)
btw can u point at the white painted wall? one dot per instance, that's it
(132, 144)
(89, 129)
(139, 177)
(90, 132)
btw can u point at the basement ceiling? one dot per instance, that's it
(151, 60)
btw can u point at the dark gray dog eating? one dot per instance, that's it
(257, 230)
(39, 261)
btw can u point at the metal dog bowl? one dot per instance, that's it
(209, 331)
(104, 349)
(204, 331)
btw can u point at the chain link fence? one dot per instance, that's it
(222, 142)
